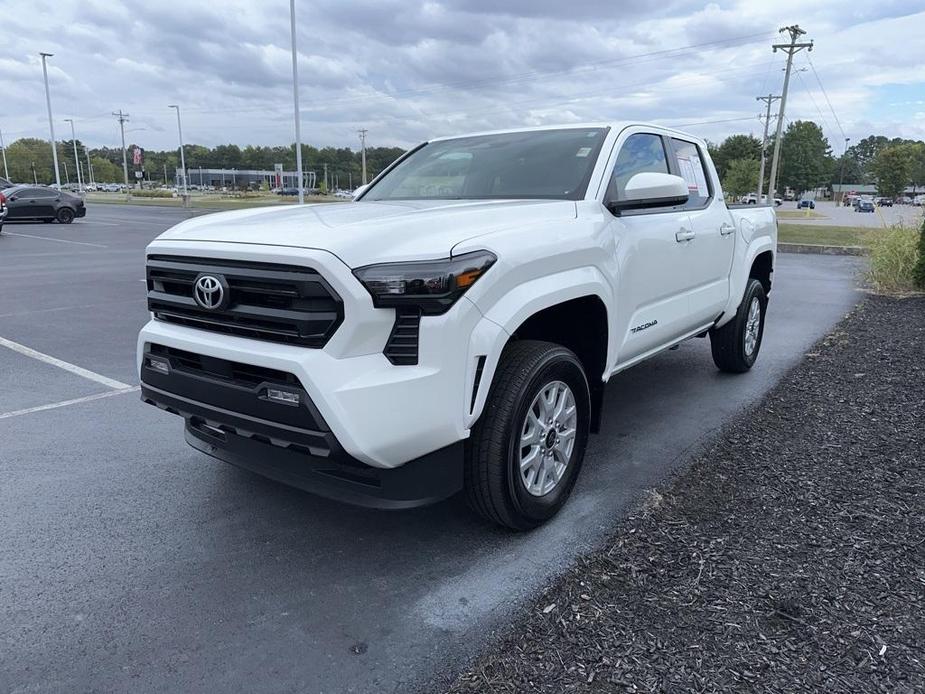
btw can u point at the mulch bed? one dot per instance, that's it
(790, 556)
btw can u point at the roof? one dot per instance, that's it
(613, 125)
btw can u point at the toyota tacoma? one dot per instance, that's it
(453, 328)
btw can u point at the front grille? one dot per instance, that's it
(267, 301)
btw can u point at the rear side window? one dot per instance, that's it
(641, 153)
(691, 168)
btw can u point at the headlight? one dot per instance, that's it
(431, 285)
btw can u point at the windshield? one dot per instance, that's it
(553, 164)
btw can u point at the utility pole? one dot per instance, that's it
(67, 176)
(841, 175)
(769, 99)
(325, 177)
(51, 123)
(295, 104)
(6, 171)
(790, 49)
(362, 133)
(122, 117)
(89, 167)
(80, 185)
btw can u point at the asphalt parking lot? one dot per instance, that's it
(839, 215)
(131, 562)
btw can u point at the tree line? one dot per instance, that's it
(807, 162)
(30, 160)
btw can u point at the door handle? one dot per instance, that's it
(726, 229)
(684, 235)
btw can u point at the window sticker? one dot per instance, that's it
(702, 189)
(583, 152)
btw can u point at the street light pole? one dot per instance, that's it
(182, 157)
(841, 175)
(80, 185)
(295, 102)
(6, 171)
(51, 123)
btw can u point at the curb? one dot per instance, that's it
(821, 249)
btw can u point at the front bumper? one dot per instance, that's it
(311, 460)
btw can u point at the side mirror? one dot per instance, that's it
(11, 198)
(649, 189)
(360, 190)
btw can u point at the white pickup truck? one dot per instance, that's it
(453, 328)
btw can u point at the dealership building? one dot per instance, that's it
(245, 178)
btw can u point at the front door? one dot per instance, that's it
(652, 275)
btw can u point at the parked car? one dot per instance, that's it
(918, 200)
(5, 183)
(288, 191)
(44, 203)
(3, 210)
(864, 206)
(453, 327)
(806, 204)
(752, 199)
(884, 202)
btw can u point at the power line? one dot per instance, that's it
(521, 77)
(834, 115)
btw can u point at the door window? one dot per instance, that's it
(640, 153)
(691, 169)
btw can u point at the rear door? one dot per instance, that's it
(708, 255)
(651, 274)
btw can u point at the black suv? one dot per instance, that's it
(41, 202)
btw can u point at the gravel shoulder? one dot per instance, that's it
(790, 556)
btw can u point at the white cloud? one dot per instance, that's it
(407, 70)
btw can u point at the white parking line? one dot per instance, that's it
(65, 403)
(48, 238)
(67, 366)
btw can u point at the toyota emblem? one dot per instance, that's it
(209, 291)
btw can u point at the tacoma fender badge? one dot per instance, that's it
(644, 326)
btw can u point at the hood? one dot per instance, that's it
(360, 233)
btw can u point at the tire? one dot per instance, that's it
(65, 215)
(494, 485)
(732, 349)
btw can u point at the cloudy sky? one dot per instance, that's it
(407, 70)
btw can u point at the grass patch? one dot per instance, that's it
(826, 235)
(206, 202)
(893, 257)
(800, 214)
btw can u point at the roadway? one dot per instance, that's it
(131, 562)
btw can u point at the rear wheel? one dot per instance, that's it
(65, 215)
(526, 450)
(735, 346)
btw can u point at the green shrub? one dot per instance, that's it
(152, 194)
(894, 254)
(918, 274)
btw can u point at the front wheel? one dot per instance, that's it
(735, 346)
(65, 215)
(526, 450)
